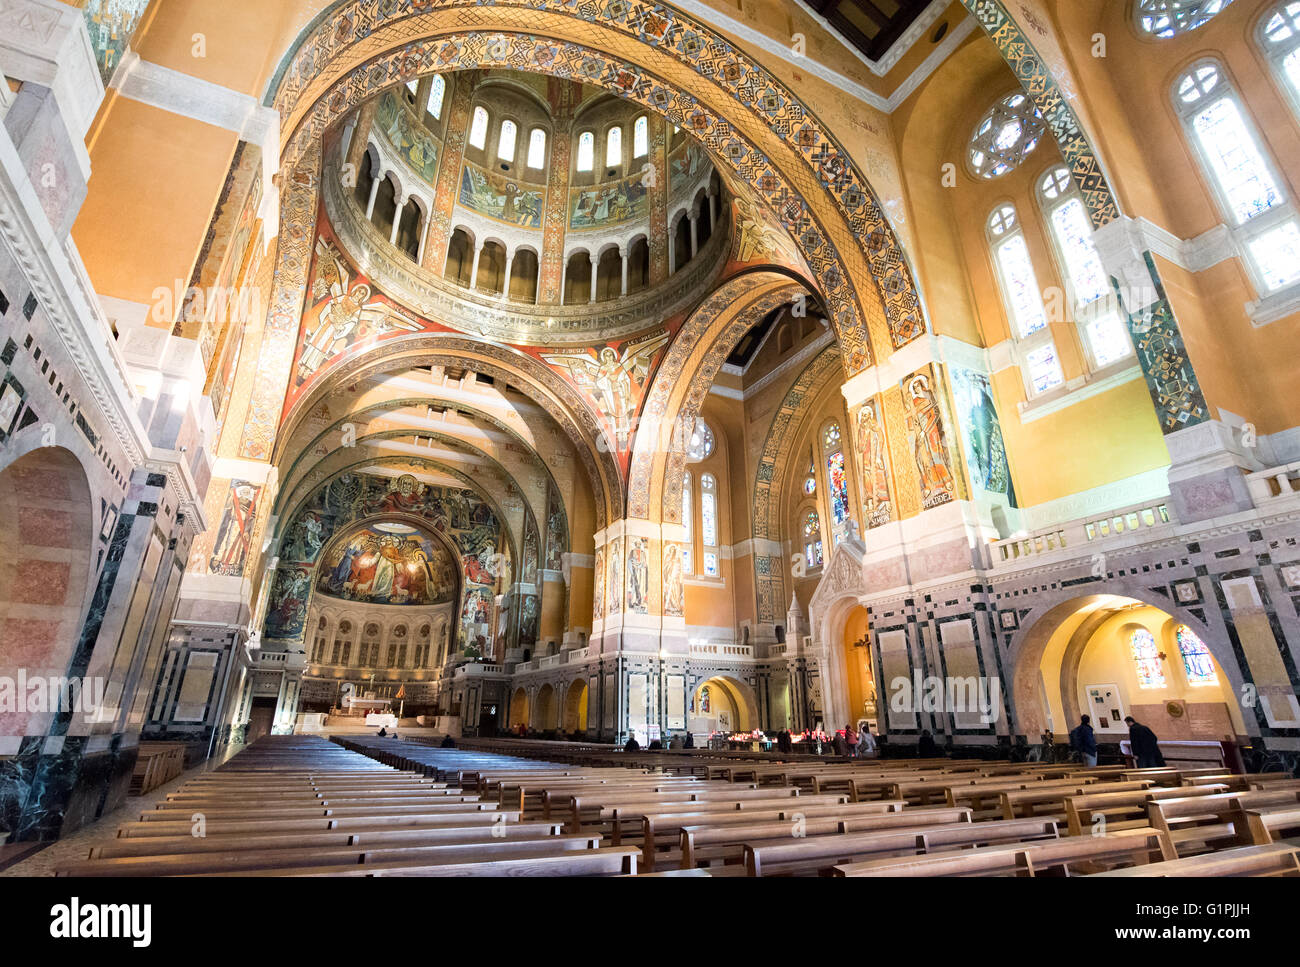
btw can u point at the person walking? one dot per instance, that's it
(851, 739)
(1145, 745)
(1084, 741)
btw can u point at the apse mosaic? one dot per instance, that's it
(610, 203)
(410, 139)
(986, 454)
(467, 522)
(928, 438)
(505, 199)
(389, 563)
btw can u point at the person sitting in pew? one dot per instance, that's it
(655, 745)
(1146, 747)
(866, 743)
(676, 742)
(690, 741)
(383, 731)
(447, 742)
(1084, 741)
(631, 745)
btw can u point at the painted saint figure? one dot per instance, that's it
(875, 469)
(925, 425)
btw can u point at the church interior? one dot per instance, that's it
(563, 438)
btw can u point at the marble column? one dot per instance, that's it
(473, 272)
(694, 216)
(374, 193)
(622, 254)
(594, 263)
(397, 219)
(505, 285)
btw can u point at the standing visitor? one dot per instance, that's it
(1084, 741)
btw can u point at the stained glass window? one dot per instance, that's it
(641, 137)
(831, 436)
(838, 482)
(1281, 41)
(1021, 285)
(1277, 255)
(687, 522)
(412, 86)
(478, 128)
(1146, 658)
(1044, 368)
(701, 442)
(1235, 160)
(1083, 264)
(586, 151)
(1108, 337)
(810, 485)
(1197, 661)
(812, 539)
(1166, 18)
(1005, 136)
(710, 564)
(436, 94)
(709, 510)
(536, 148)
(614, 148)
(506, 143)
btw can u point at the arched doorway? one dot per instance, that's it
(518, 709)
(47, 529)
(722, 704)
(1111, 656)
(544, 709)
(859, 673)
(575, 707)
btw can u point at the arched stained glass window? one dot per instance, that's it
(436, 93)
(586, 151)
(614, 147)
(641, 137)
(478, 127)
(837, 480)
(709, 523)
(1280, 38)
(537, 148)
(1073, 234)
(1197, 661)
(1242, 175)
(1024, 301)
(812, 539)
(1005, 136)
(1167, 18)
(506, 142)
(1146, 659)
(688, 523)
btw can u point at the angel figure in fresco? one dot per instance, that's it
(871, 444)
(615, 381)
(931, 454)
(346, 314)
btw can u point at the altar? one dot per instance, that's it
(382, 719)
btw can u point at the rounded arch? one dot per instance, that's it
(728, 705)
(1027, 646)
(576, 699)
(545, 709)
(518, 708)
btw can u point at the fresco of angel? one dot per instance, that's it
(616, 381)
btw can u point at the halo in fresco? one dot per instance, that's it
(388, 563)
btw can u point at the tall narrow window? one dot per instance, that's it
(1242, 175)
(1024, 301)
(1279, 35)
(1146, 659)
(436, 94)
(641, 137)
(1096, 310)
(506, 142)
(709, 523)
(688, 523)
(837, 480)
(478, 128)
(812, 539)
(614, 147)
(537, 148)
(586, 151)
(1197, 661)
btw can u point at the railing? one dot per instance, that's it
(527, 666)
(550, 661)
(1078, 533)
(579, 654)
(479, 668)
(1277, 483)
(721, 651)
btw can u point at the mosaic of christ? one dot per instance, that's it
(389, 564)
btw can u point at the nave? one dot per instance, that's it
(304, 806)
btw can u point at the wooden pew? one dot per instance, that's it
(709, 841)
(1208, 822)
(1132, 846)
(819, 853)
(1122, 810)
(1277, 859)
(605, 861)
